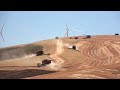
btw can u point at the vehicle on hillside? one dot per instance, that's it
(87, 36)
(44, 62)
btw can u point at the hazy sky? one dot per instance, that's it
(31, 26)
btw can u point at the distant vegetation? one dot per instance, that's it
(18, 52)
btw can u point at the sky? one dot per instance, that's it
(24, 27)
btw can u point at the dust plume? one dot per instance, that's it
(16, 52)
(67, 45)
(55, 66)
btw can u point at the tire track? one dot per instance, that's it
(95, 52)
(59, 50)
(100, 52)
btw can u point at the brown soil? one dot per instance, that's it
(98, 58)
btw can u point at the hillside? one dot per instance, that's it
(19, 51)
(97, 57)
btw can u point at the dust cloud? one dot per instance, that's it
(14, 57)
(54, 66)
(67, 45)
(29, 56)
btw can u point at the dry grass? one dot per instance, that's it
(49, 46)
(32, 61)
(98, 57)
(18, 52)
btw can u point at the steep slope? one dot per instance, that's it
(19, 51)
(28, 57)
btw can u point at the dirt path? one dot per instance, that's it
(59, 50)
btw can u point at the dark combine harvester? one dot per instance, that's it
(39, 53)
(44, 62)
(116, 33)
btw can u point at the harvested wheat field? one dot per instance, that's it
(97, 57)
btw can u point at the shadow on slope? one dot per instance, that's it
(18, 74)
(19, 51)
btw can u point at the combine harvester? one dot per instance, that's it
(44, 63)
